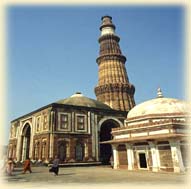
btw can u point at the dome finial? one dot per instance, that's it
(77, 94)
(159, 93)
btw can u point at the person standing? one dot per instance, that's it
(55, 166)
(27, 166)
(9, 166)
(111, 161)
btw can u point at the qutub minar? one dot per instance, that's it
(150, 136)
(113, 86)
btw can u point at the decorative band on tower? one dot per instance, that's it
(113, 86)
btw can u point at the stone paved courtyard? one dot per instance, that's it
(91, 176)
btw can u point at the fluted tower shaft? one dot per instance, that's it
(113, 86)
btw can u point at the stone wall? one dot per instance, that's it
(122, 156)
(165, 158)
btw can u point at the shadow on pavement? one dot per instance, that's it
(66, 174)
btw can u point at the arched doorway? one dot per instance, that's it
(105, 135)
(26, 134)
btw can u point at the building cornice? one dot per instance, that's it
(150, 125)
(56, 105)
(146, 138)
(155, 116)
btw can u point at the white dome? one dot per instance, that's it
(160, 106)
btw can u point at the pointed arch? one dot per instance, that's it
(105, 127)
(120, 124)
(26, 139)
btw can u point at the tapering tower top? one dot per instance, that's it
(107, 27)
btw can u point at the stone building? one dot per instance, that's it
(150, 136)
(154, 137)
(71, 128)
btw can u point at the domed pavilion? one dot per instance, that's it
(154, 136)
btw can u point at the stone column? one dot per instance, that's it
(51, 142)
(86, 149)
(96, 138)
(51, 145)
(89, 122)
(31, 137)
(67, 150)
(9, 151)
(19, 146)
(130, 156)
(115, 157)
(155, 159)
(176, 156)
(24, 149)
(93, 135)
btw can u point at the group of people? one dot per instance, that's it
(8, 167)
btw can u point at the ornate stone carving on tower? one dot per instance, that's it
(113, 86)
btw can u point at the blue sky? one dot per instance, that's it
(52, 52)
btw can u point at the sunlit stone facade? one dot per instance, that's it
(71, 128)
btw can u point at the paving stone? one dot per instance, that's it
(93, 175)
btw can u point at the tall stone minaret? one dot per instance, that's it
(113, 86)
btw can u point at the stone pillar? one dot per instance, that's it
(24, 149)
(19, 146)
(155, 159)
(130, 156)
(93, 152)
(9, 151)
(89, 122)
(51, 141)
(32, 126)
(51, 145)
(96, 138)
(176, 156)
(115, 157)
(67, 150)
(86, 149)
